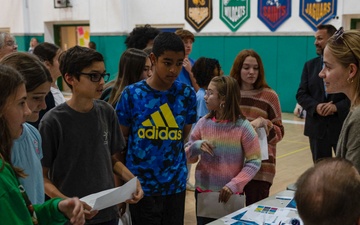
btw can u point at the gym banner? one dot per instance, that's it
(198, 13)
(234, 13)
(316, 12)
(273, 13)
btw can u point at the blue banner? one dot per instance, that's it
(273, 13)
(316, 12)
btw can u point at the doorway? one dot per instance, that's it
(67, 36)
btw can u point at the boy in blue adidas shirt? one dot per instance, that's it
(156, 116)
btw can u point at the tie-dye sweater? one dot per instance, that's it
(265, 103)
(236, 157)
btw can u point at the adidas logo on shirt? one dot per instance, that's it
(162, 125)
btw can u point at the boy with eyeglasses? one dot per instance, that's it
(82, 140)
(7, 44)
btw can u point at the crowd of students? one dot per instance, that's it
(166, 112)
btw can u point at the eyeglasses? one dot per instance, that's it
(208, 93)
(96, 77)
(339, 35)
(10, 43)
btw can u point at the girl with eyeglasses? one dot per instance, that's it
(224, 144)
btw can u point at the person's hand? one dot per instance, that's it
(258, 122)
(326, 109)
(187, 65)
(329, 109)
(190, 160)
(73, 210)
(261, 122)
(122, 209)
(207, 147)
(138, 195)
(225, 194)
(87, 211)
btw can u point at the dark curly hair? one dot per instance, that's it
(203, 70)
(167, 41)
(140, 36)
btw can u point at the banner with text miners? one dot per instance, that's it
(273, 13)
(234, 13)
(316, 12)
(198, 13)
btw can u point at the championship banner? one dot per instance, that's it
(198, 13)
(234, 13)
(316, 12)
(273, 13)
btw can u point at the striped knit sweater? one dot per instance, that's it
(265, 103)
(236, 157)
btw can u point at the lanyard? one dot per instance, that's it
(29, 205)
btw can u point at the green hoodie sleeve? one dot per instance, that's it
(49, 214)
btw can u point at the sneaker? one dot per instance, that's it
(190, 186)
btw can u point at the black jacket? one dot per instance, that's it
(311, 92)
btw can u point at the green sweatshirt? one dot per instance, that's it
(13, 209)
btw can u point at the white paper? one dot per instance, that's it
(263, 143)
(110, 197)
(208, 204)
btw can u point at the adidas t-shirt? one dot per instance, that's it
(155, 144)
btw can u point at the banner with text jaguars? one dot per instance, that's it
(273, 13)
(316, 12)
(198, 13)
(234, 13)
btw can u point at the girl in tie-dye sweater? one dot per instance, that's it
(226, 142)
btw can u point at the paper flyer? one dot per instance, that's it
(110, 197)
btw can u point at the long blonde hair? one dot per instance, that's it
(345, 47)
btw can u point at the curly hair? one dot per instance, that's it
(140, 36)
(204, 70)
(167, 41)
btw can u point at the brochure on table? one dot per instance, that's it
(260, 214)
